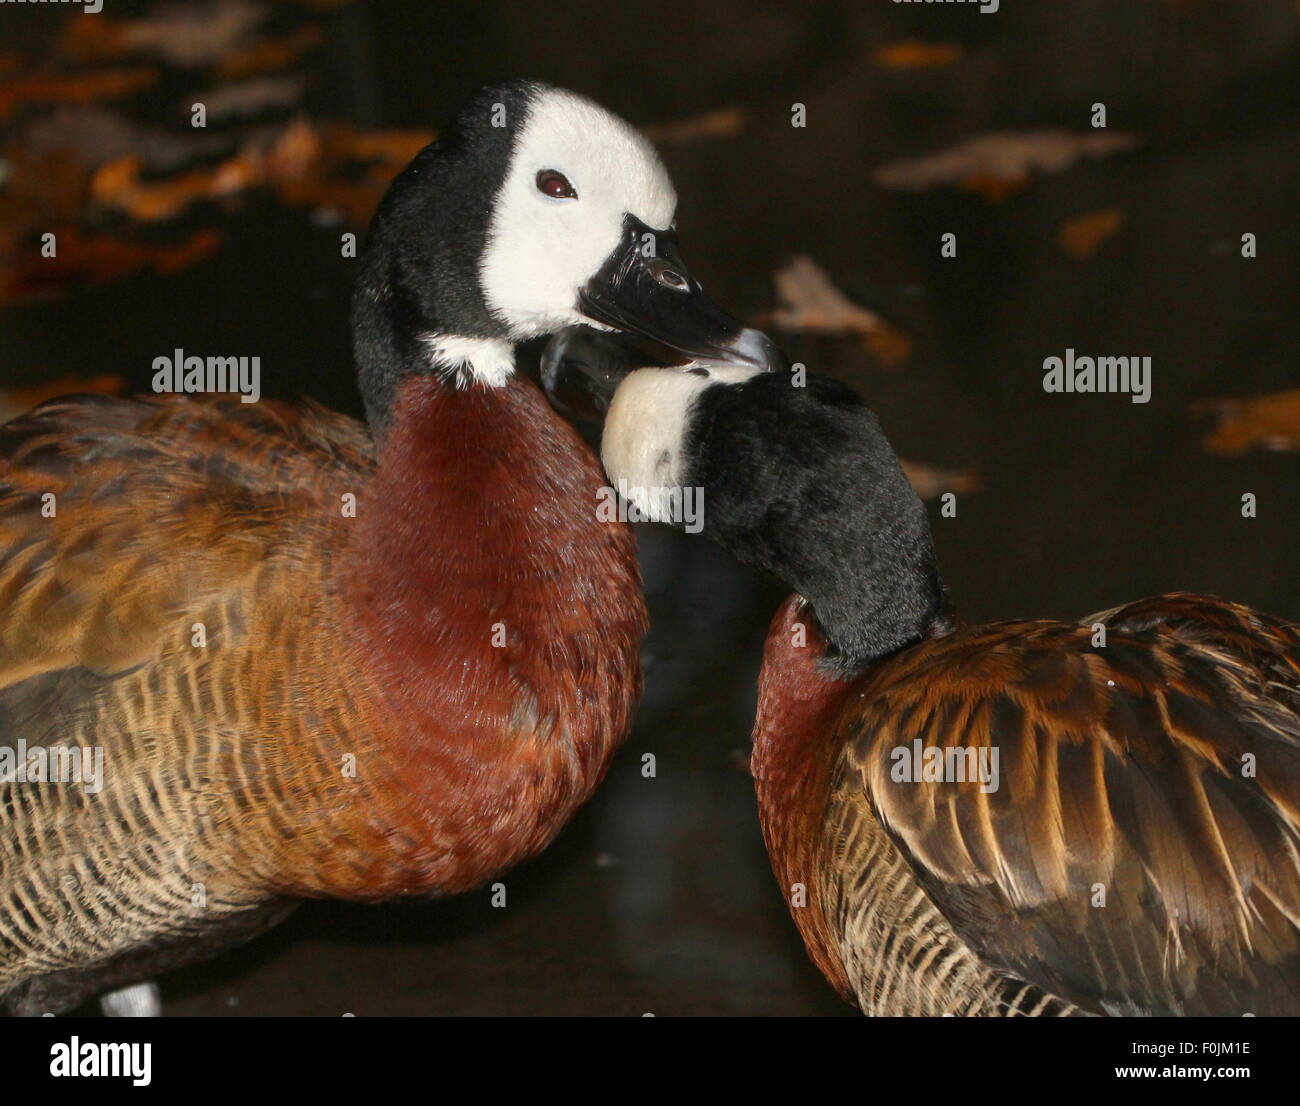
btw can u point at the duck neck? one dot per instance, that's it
(803, 482)
(874, 587)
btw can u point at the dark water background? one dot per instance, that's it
(658, 897)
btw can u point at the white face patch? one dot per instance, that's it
(642, 445)
(541, 251)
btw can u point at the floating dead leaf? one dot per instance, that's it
(995, 189)
(811, 303)
(1252, 422)
(120, 185)
(916, 55)
(96, 260)
(188, 36)
(394, 147)
(1082, 236)
(351, 171)
(721, 123)
(333, 167)
(48, 88)
(929, 482)
(1006, 159)
(270, 54)
(243, 99)
(92, 135)
(18, 401)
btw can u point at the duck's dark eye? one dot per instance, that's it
(556, 185)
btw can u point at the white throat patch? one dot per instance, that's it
(489, 361)
(540, 250)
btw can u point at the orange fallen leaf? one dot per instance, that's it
(96, 260)
(929, 482)
(1252, 422)
(811, 303)
(184, 35)
(269, 54)
(395, 147)
(119, 184)
(105, 84)
(1082, 236)
(993, 188)
(720, 123)
(1000, 162)
(916, 55)
(334, 166)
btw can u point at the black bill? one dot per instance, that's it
(644, 289)
(582, 367)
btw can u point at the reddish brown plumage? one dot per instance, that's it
(798, 699)
(1122, 769)
(348, 728)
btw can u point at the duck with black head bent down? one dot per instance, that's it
(408, 701)
(1134, 847)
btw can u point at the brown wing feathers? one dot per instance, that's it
(1158, 775)
(163, 514)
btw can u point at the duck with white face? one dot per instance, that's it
(431, 596)
(1145, 759)
(536, 210)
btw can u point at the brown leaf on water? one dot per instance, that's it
(811, 303)
(120, 185)
(929, 482)
(269, 55)
(188, 36)
(995, 189)
(394, 148)
(47, 88)
(332, 167)
(1082, 236)
(96, 259)
(916, 55)
(992, 163)
(246, 98)
(720, 123)
(350, 169)
(18, 401)
(1269, 422)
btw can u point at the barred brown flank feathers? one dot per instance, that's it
(224, 765)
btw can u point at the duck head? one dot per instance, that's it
(536, 209)
(789, 472)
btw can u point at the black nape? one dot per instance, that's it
(803, 482)
(419, 271)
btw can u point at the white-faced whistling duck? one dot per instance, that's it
(1015, 819)
(297, 699)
